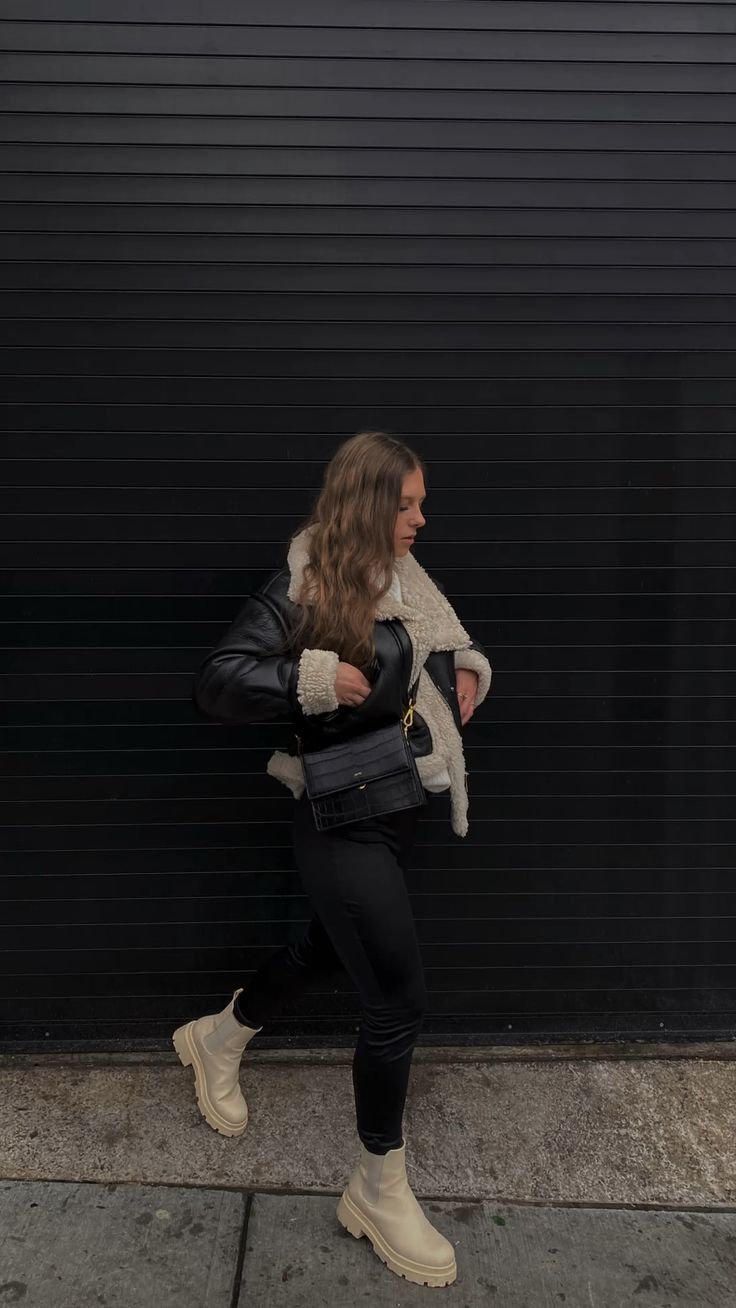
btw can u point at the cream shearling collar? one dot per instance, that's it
(428, 615)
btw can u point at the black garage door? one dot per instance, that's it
(504, 232)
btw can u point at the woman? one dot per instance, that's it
(332, 642)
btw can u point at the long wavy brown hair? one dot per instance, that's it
(351, 548)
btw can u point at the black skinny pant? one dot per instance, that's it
(362, 919)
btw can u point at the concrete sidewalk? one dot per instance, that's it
(562, 1177)
(66, 1245)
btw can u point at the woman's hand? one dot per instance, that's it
(351, 687)
(466, 684)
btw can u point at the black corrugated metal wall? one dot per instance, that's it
(505, 232)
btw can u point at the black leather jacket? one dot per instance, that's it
(245, 679)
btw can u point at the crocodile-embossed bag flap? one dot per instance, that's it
(384, 752)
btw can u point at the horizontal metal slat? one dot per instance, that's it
(569, 74)
(593, 15)
(301, 102)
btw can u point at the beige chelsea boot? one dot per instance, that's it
(213, 1046)
(379, 1202)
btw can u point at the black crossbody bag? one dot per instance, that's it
(366, 775)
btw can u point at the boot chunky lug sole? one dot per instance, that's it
(356, 1222)
(189, 1057)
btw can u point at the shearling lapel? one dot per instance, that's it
(427, 614)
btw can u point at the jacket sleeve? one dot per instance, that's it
(474, 658)
(246, 679)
